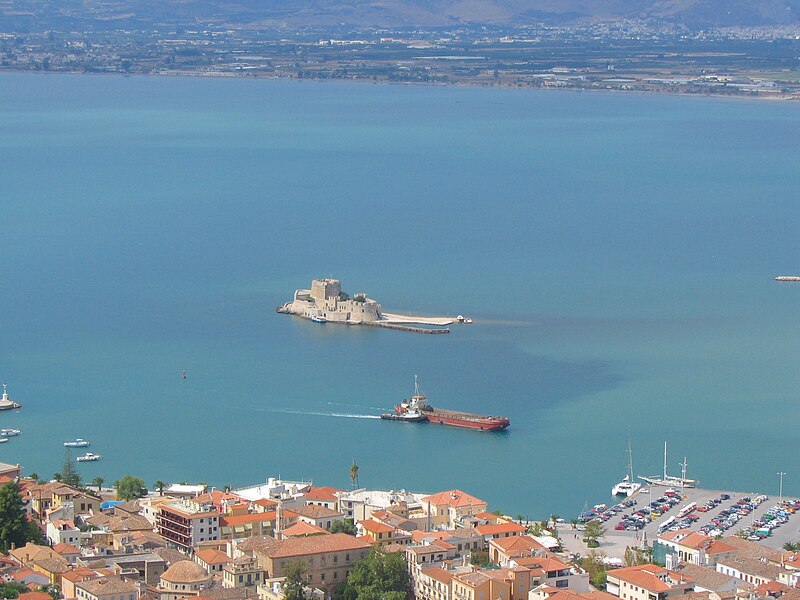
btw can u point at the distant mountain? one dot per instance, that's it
(293, 14)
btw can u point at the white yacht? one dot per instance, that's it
(7, 403)
(627, 487)
(79, 443)
(89, 457)
(10, 432)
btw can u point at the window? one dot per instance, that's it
(322, 577)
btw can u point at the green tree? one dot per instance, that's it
(480, 558)
(354, 474)
(13, 589)
(69, 474)
(535, 529)
(294, 585)
(379, 576)
(637, 556)
(130, 488)
(347, 526)
(51, 589)
(160, 486)
(593, 532)
(98, 482)
(594, 564)
(15, 529)
(34, 476)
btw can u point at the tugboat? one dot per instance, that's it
(446, 417)
(409, 410)
(6, 403)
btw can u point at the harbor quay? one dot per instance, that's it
(290, 540)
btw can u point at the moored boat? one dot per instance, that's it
(7, 403)
(671, 480)
(10, 432)
(78, 443)
(627, 487)
(89, 457)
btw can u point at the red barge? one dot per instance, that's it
(417, 409)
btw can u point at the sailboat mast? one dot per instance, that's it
(665, 461)
(630, 460)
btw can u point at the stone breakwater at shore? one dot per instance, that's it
(326, 303)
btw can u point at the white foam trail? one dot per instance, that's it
(356, 405)
(289, 411)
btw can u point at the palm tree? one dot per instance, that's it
(792, 547)
(354, 474)
(160, 485)
(98, 481)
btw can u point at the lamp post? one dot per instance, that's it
(780, 488)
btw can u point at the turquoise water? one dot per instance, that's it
(616, 252)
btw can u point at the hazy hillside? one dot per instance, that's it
(427, 13)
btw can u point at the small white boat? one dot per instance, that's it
(79, 443)
(3, 440)
(89, 457)
(319, 319)
(9, 432)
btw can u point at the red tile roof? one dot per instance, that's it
(322, 494)
(375, 527)
(212, 556)
(316, 544)
(233, 520)
(499, 528)
(454, 498)
(301, 528)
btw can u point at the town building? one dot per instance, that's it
(211, 559)
(646, 582)
(503, 550)
(183, 579)
(106, 588)
(317, 515)
(328, 558)
(242, 572)
(448, 509)
(184, 523)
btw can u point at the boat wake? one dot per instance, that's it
(356, 405)
(289, 411)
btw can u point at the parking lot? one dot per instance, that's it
(724, 516)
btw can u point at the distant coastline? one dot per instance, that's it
(788, 97)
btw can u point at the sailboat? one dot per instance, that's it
(670, 480)
(627, 487)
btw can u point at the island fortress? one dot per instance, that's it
(325, 302)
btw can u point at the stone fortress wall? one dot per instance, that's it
(325, 299)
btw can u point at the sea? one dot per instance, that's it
(615, 251)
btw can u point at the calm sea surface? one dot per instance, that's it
(616, 252)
